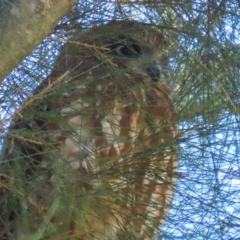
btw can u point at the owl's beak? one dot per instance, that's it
(154, 72)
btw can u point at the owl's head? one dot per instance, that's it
(135, 46)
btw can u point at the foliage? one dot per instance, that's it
(204, 57)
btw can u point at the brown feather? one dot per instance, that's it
(108, 147)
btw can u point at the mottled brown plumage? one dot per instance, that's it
(95, 144)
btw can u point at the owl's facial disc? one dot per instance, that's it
(141, 57)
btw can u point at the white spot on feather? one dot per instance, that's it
(86, 104)
(74, 163)
(119, 117)
(98, 87)
(69, 148)
(107, 129)
(65, 94)
(81, 86)
(76, 120)
(64, 111)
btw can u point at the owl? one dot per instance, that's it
(92, 154)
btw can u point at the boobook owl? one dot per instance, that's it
(92, 153)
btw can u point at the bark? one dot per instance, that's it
(23, 25)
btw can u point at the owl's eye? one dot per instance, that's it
(132, 50)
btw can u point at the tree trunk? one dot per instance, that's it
(23, 25)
